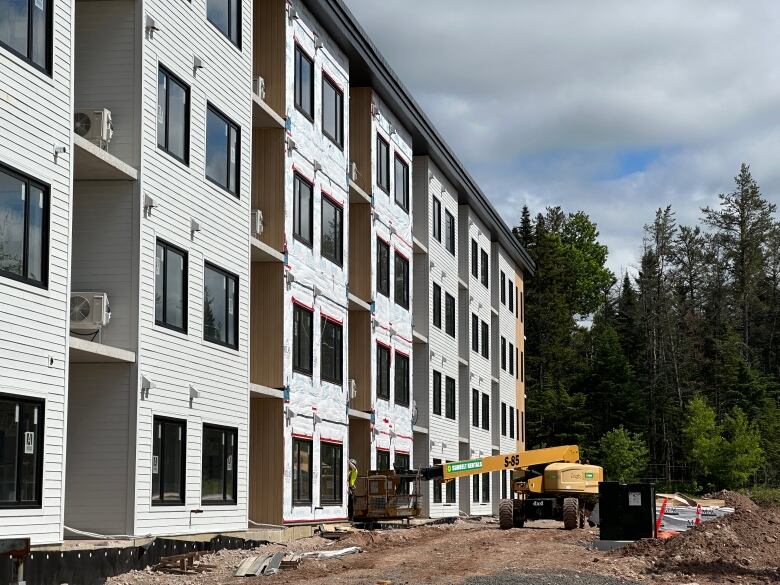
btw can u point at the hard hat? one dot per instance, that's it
(353, 462)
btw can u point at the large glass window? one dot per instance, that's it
(173, 115)
(332, 111)
(302, 340)
(26, 29)
(503, 288)
(401, 379)
(220, 307)
(486, 411)
(226, 16)
(474, 259)
(383, 268)
(485, 340)
(503, 353)
(170, 287)
(503, 419)
(485, 488)
(304, 83)
(511, 422)
(301, 471)
(21, 452)
(169, 446)
(436, 305)
(383, 371)
(223, 139)
(401, 186)
(220, 465)
(449, 311)
(485, 269)
(331, 480)
(401, 462)
(401, 274)
(303, 210)
(436, 219)
(331, 352)
(436, 392)
(474, 332)
(449, 399)
(24, 228)
(382, 459)
(474, 407)
(437, 485)
(475, 488)
(511, 359)
(332, 242)
(449, 225)
(383, 164)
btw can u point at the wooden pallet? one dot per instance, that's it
(184, 564)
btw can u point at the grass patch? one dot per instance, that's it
(764, 496)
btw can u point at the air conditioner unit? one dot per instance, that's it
(257, 222)
(94, 125)
(259, 87)
(352, 389)
(89, 311)
(353, 172)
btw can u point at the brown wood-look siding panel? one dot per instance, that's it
(360, 443)
(266, 327)
(270, 45)
(360, 263)
(268, 193)
(520, 383)
(360, 125)
(360, 358)
(266, 460)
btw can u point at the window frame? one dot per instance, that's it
(185, 282)
(383, 376)
(380, 141)
(45, 188)
(337, 140)
(404, 203)
(338, 478)
(239, 16)
(437, 483)
(485, 269)
(475, 488)
(450, 398)
(296, 472)
(307, 241)
(503, 353)
(486, 488)
(225, 501)
(402, 378)
(503, 419)
(299, 52)
(503, 288)
(436, 305)
(474, 258)
(46, 69)
(475, 333)
(436, 392)
(511, 354)
(436, 218)
(450, 232)
(182, 423)
(236, 298)
(511, 422)
(338, 212)
(297, 350)
(485, 340)
(188, 110)
(18, 400)
(401, 262)
(382, 269)
(338, 350)
(231, 126)
(485, 411)
(475, 408)
(385, 453)
(450, 324)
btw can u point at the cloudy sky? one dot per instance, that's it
(608, 106)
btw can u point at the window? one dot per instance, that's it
(449, 399)
(21, 452)
(522, 426)
(25, 29)
(303, 340)
(223, 143)
(24, 228)
(173, 115)
(511, 298)
(382, 459)
(383, 268)
(485, 270)
(449, 311)
(332, 239)
(401, 186)
(436, 305)
(485, 411)
(503, 483)
(485, 488)
(474, 259)
(517, 359)
(449, 225)
(437, 392)
(220, 307)
(331, 351)
(401, 273)
(304, 84)
(503, 288)
(511, 359)
(401, 461)
(474, 333)
(382, 164)
(474, 407)
(437, 485)
(503, 419)
(511, 422)
(301, 471)
(331, 480)
(401, 379)
(226, 16)
(170, 287)
(332, 111)
(503, 353)
(383, 371)
(220, 465)
(436, 219)
(450, 495)
(522, 306)
(485, 341)
(475, 488)
(303, 210)
(522, 366)
(168, 461)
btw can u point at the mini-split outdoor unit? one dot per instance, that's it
(257, 223)
(258, 86)
(89, 311)
(94, 125)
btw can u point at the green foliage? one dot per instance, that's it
(623, 455)
(742, 454)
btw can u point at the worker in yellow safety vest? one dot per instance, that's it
(352, 476)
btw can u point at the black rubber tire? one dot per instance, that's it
(505, 514)
(571, 513)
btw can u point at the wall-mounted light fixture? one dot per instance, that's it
(194, 228)
(197, 63)
(151, 27)
(149, 204)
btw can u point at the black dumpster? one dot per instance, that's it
(626, 511)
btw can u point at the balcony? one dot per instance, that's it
(92, 163)
(83, 351)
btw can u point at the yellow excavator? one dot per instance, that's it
(548, 483)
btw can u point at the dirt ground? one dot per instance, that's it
(743, 547)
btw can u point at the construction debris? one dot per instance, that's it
(186, 564)
(332, 554)
(266, 564)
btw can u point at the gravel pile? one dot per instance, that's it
(547, 578)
